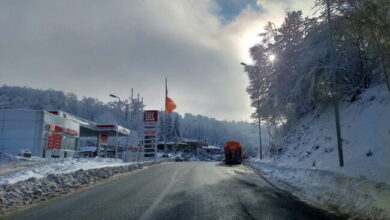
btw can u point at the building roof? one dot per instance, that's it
(87, 128)
(89, 149)
(211, 147)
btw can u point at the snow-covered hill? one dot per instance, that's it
(308, 163)
(365, 130)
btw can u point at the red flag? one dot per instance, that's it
(170, 105)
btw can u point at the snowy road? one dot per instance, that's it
(193, 190)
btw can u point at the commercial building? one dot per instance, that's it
(49, 133)
(188, 146)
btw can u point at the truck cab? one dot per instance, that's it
(233, 152)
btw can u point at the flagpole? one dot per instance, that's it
(165, 116)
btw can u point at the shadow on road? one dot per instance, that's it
(223, 164)
(231, 199)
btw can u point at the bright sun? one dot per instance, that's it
(249, 39)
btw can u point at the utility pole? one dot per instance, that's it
(258, 112)
(132, 109)
(335, 89)
(165, 117)
(116, 142)
(98, 144)
(116, 127)
(258, 116)
(131, 124)
(127, 110)
(137, 115)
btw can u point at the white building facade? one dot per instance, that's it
(54, 134)
(38, 132)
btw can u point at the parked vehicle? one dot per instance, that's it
(179, 159)
(233, 152)
(166, 156)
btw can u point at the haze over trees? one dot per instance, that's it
(215, 132)
(299, 79)
(188, 126)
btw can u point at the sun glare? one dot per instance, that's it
(272, 57)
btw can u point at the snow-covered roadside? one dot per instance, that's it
(26, 192)
(60, 166)
(11, 164)
(358, 198)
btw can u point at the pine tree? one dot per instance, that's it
(169, 128)
(161, 126)
(176, 127)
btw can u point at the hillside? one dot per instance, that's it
(308, 165)
(365, 130)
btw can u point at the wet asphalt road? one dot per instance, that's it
(183, 190)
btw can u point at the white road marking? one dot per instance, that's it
(147, 214)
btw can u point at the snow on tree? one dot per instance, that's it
(299, 79)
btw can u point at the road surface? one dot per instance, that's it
(180, 190)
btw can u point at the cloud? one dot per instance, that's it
(97, 47)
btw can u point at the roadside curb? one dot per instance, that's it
(346, 196)
(262, 176)
(25, 193)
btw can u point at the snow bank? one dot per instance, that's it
(24, 193)
(60, 166)
(11, 164)
(8, 158)
(355, 197)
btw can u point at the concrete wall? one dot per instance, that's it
(21, 131)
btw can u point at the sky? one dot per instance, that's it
(97, 47)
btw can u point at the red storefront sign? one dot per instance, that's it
(103, 138)
(150, 123)
(71, 132)
(54, 141)
(151, 116)
(55, 128)
(150, 132)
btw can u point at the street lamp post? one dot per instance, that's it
(116, 127)
(116, 97)
(258, 112)
(119, 102)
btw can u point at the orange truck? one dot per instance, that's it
(233, 152)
